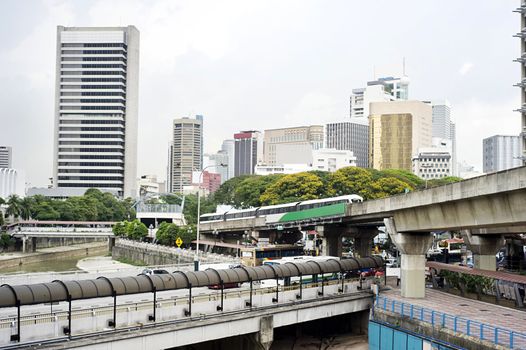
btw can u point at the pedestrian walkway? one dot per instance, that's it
(491, 314)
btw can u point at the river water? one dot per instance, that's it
(68, 264)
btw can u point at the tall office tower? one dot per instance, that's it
(96, 105)
(453, 139)
(292, 145)
(187, 152)
(397, 130)
(248, 151)
(219, 164)
(501, 152)
(6, 155)
(169, 167)
(351, 136)
(381, 90)
(229, 148)
(522, 60)
(441, 119)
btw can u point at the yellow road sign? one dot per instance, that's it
(178, 241)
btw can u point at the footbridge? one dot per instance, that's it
(484, 209)
(170, 310)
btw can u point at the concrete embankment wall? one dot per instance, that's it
(69, 252)
(59, 242)
(148, 257)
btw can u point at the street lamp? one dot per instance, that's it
(196, 256)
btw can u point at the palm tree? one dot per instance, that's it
(26, 204)
(2, 201)
(13, 206)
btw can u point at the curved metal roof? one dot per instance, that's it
(55, 291)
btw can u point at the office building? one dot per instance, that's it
(501, 152)
(186, 152)
(351, 136)
(441, 116)
(397, 130)
(248, 151)
(291, 145)
(433, 163)
(326, 159)
(6, 157)
(148, 185)
(169, 167)
(228, 147)
(218, 164)
(11, 182)
(96, 105)
(381, 90)
(522, 84)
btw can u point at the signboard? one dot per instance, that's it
(178, 241)
(263, 242)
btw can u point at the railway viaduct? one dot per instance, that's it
(483, 209)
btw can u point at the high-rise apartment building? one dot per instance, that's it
(522, 84)
(186, 152)
(292, 145)
(229, 148)
(397, 130)
(6, 157)
(381, 90)
(96, 105)
(248, 151)
(501, 152)
(351, 136)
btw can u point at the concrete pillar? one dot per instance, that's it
(331, 241)
(413, 247)
(33, 244)
(363, 241)
(111, 243)
(265, 336)
(484, 247)
(24, 244)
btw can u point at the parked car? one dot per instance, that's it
(150, 272)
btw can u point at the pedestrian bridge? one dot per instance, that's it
(175, 310)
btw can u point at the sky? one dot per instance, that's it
(266, 64)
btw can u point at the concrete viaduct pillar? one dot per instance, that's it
(331, 240)
(484, 247)
(363, 241)
(413, 246)
(264, 338)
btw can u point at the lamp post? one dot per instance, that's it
(196, 256)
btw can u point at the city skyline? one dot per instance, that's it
(207, 69)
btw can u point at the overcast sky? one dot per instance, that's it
(266, 64)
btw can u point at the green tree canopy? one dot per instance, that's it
(225, 193)
(14, 208)
(293, 187)
(249, 191)
(387, 186)
(351, 180)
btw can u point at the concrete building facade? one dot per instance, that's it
(381, 90)
(6, 157)
(433, 163)
(291, 145)
(501, 152)
(352, 136)
(330, 160)
(186, 152)
(11, 182)
(96, 107)
(282, 169)
(218, 163)
(248, 151)
(397, 130)
(228, 147)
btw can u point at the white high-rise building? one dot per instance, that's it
(187, 152)
(96, 106)
(441, 119)
(6, 157)
(291, 145)
(229, 148)
(501, 152)
(381, 90)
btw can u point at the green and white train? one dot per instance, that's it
(289, 212)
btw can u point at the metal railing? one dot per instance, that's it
(469, 327)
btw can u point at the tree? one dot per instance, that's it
(45, 211)
(293, 187)
(225, 193)
(26, 206)
(351, 180)
(387, 186)
(13, 206)
(119, 229)
(6, 240)
(190, 208)
(2, 221)
(249, 191)
(136, 230)
(403, 175)
(188, 234)
(443, 181)
(2, 201)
